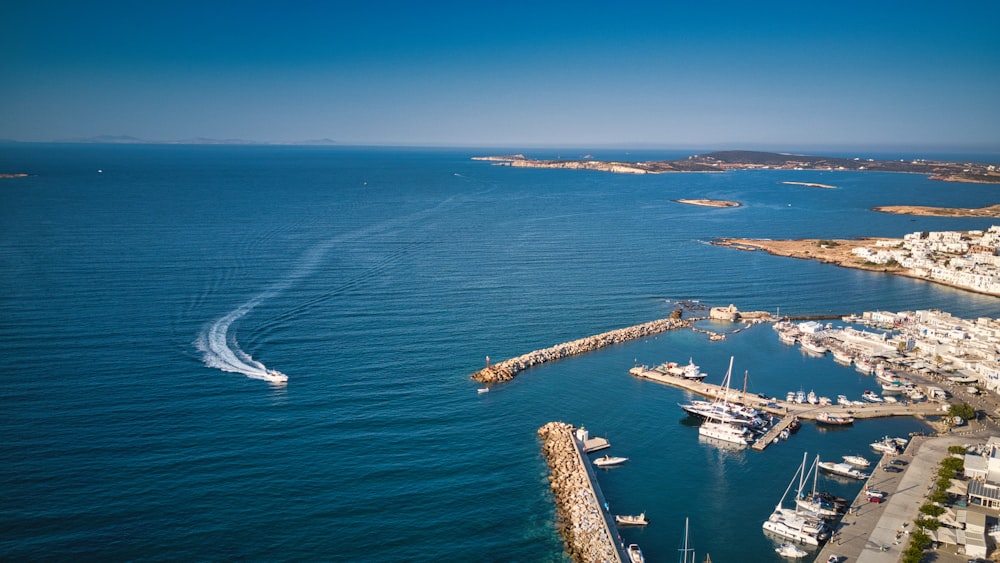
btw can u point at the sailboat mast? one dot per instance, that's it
(685, 550)
(802, 475)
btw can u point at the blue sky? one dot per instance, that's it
(671, 74)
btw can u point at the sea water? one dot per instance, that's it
(147, 289)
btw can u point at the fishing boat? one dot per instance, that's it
(812, 346)
(794, 524)
(833, 420)
(635, 554)
(842, 469)
(811, 398)
(843, 400)
(842, 356)
(609, 461)
(631, 520)
(791, 551)
(863, 364)
(857, 461)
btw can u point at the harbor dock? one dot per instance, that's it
(782, 408)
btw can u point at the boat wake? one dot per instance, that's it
(217, 341)
(220, 349)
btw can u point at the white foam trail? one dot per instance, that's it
(220, 349)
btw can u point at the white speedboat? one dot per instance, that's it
(274, 376)
(843, 400)
(790, 551)
(631, 520)
(609, 461)
(857, 461)
(888, 445)
(635, 554)
(842, 469)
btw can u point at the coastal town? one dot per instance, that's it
(965, 259)
(925, 363)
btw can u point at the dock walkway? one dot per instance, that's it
(785, 409)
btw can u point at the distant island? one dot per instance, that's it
(709, 202)
(722, 161)
(811, 185)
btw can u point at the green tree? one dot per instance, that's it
(964, 410)
(959, 450)
(932, 509)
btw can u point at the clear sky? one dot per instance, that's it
(423, 72)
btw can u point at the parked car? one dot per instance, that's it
(897, 462)
(891, 469)
(876, 500)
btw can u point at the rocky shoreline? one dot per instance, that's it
(709, 202)
(926, 211)
(506, 370)
(580, 519)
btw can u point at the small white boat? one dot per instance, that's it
(631, 520)
(790, 550)
(635, 554)
(843, 400)
(609, 461)
(482, 390)
(857, 461)
(887, 446)
(275, 376)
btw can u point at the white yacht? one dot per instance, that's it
(857, 461)
(725, 432)
(631, 520)
(842, 356)
(793, 524)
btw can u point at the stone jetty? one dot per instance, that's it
(508, 369)
(583, 524)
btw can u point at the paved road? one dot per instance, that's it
(876, 533)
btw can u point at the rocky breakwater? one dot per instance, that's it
(581, 522)
(508, 369)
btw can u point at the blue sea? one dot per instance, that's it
(144, 289)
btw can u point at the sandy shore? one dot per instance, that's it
(709, 202)
(988, 211)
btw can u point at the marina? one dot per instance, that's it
(787, 410)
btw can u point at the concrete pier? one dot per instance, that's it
(786, 409)
(588, 531)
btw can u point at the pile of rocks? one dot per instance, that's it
(507, 369)
(581, 522)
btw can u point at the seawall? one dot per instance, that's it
(508, 369)
(582, 523)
